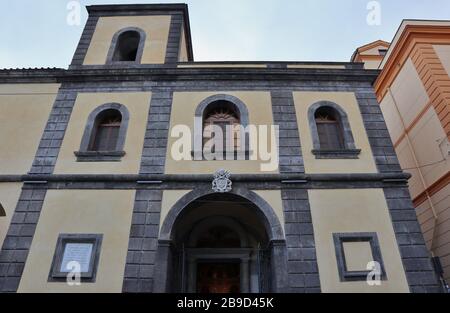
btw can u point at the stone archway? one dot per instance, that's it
(254, 221)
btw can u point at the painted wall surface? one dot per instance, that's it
(9, 195)
(350, 211)
(24, 111)
(435, 231)
(138, 105)
(169, 199)
(155, 27)
(409, 93)
(183, 112)
(428, 142)
(347, 101)
(81, 212)
(392, 118)
(372, 64)
(443, 52)
(273, 198)
(183, 56)
(427, 138)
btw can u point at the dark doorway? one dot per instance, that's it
(218, 277)
(220, 245)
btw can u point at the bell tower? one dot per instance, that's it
(134, 35)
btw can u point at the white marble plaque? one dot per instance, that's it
(78, 252)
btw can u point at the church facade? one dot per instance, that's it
(140, 170)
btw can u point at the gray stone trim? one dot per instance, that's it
(157, 133)
(274, 228)
(85, 41)
(350, 148)
(147, 9)
(20, 234)
(113, 47)
(240, 107)
(416, 258)
(140, 263)
(23, 224)
(344, 274)
(99, 156)
(377, 132)
(275, 232)
(174, 39)
(289, 146)
(285, 178)
(85, 155)
(139, 268)
(56, 275)
(54, 132)
(302, 265)
(337, 154)
(312, 79)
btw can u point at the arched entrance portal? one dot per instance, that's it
(221, 243)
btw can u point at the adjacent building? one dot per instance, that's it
(413, 90)
(105, 171)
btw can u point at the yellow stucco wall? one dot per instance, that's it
(155, 27)
(273, 198)
(169, 199)
(9, 195)
(137, 103)
(183, 57)
(350, 211)
(81, 212)
(183, 112)
(347, 101)
(24, 111)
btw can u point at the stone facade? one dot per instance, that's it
(292, 247)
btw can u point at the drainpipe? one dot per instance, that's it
(417, 165)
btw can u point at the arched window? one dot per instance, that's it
(224, 116)
(106, 133)
(329, 129)
(127, 46)
(104, 136)
(229, 115)
(331, 132)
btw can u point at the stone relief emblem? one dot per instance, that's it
(222, 182)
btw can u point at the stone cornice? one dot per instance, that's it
(167, 73)
(155, 179)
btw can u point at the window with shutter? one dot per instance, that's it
(222, 115)
(329, 129)
(107, 131)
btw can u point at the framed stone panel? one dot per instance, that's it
(354, 251)
(81, 248)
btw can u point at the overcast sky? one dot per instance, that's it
(36, 33)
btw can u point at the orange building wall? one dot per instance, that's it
(414, 93)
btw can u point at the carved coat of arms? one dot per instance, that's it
(222, 182)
